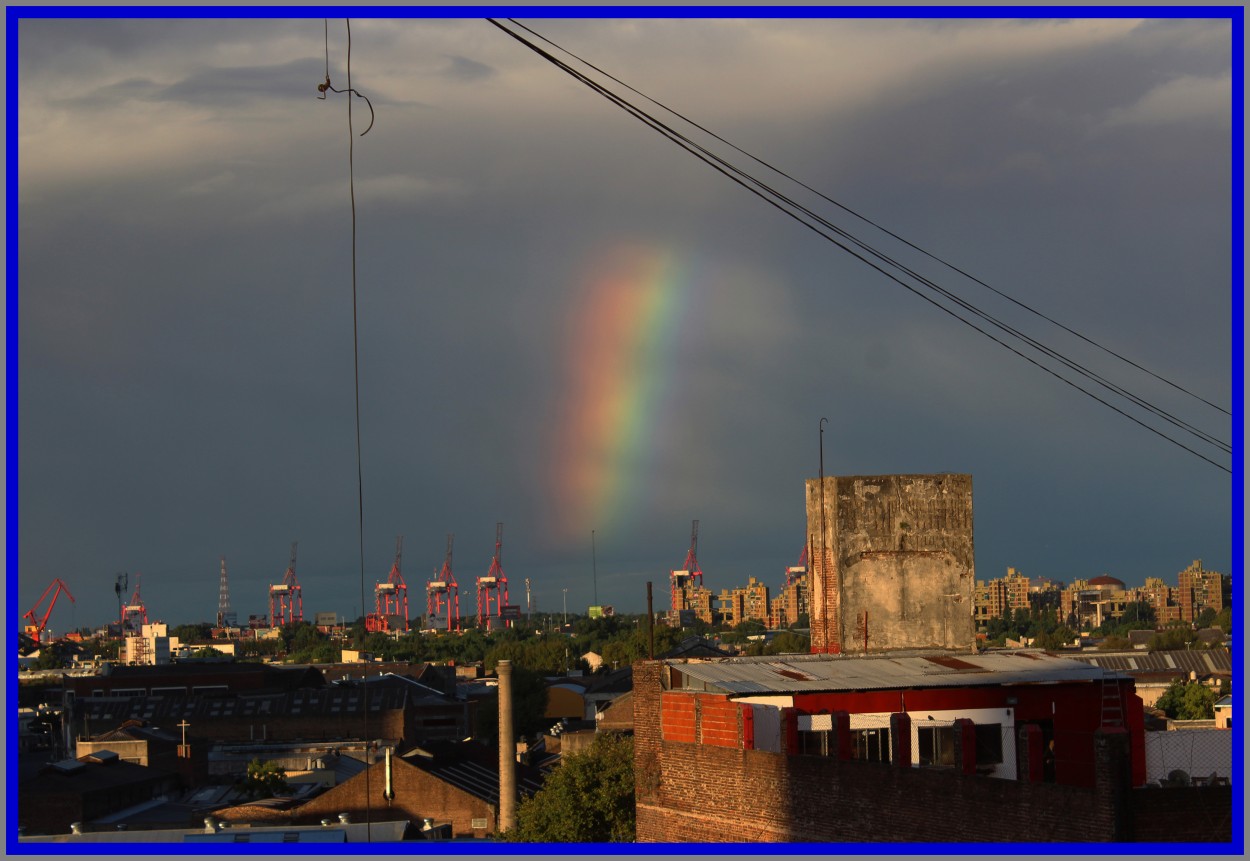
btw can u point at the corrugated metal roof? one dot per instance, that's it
(818, 673)
(1173, 661)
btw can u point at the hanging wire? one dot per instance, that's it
(360, 492)
(820, 225)
(326, 86)
(872, 223)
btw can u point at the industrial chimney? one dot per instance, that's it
(507, 750)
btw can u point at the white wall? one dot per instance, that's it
(1005, 717)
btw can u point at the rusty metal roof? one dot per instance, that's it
(818, 673)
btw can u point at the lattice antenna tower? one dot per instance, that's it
(225, 616)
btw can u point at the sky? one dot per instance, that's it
(568, 325)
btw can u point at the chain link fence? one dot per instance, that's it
(1189, 757)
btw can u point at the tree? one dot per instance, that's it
(1056, 638)
(588, 799)
(1115, 644)
(207, 652)
(1173, 637)
(52, 656)
(788, 642)
(1187, 701)
(196, 632)
(1224, 620)
(264, 779)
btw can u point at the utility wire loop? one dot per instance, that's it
(327, 86)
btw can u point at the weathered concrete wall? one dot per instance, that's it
(898, 560)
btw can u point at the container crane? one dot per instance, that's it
(795, 572)
(37, 625)
(492, 590)
(391, 597)
(286, 599)
(134, 615)
(443, 594)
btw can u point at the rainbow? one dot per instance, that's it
(619, 361)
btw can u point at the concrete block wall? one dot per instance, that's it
(898, 562)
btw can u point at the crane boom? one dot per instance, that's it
(36, 626)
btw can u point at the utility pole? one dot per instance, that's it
(594, 567)
(566, 606)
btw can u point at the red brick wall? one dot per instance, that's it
(719, 721)
(707, 718)
(678, 718)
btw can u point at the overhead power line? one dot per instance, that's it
(886, 264)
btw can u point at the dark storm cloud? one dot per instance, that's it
(187, 362)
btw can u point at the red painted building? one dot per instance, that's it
(1016, 715)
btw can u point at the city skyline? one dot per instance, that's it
(566, 324)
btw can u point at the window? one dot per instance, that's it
(816, 743)
(871, 745)
(989, 743)
(935, 745)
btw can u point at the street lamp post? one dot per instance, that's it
(566, 606)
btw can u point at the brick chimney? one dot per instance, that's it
(507, 749)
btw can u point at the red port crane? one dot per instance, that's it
(797, 570)
(37, 625)
(689, 573)
(286, 599)
(134, 615)
(391, 597)
(442, 595)
(492, 590)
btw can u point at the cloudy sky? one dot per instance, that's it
(568, 324)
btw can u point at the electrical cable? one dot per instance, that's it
(800, 213)
(872, 223)
(360, 492)
(705, 154)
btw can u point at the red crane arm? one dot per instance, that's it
(60, 587)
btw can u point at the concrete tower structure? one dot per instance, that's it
(891, 562)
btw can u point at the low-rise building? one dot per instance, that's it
(76, 791)
(898, 747)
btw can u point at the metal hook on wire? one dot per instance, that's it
(327, 86)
